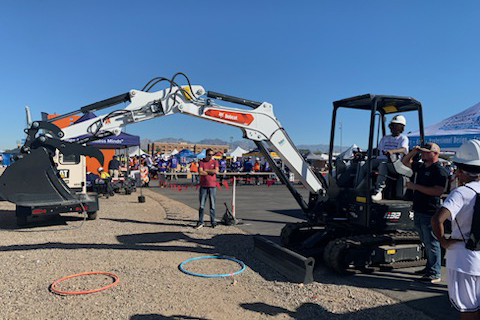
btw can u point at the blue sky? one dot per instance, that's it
(300, 56)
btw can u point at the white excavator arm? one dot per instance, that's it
(259, 124)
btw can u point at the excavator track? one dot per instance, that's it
(335, 254)
(294, 233)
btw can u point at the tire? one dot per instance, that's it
(92, 215)
(334, 255)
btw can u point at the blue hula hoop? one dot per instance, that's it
(212, 275)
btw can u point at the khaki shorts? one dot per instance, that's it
(463, 291)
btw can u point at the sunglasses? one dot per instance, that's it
(210, 154)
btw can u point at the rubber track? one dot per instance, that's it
(335, 249)
(289, 230)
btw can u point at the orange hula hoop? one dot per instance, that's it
(112, 275)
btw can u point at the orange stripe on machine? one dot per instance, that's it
(237, 117)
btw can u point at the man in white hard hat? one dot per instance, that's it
(428, 185)
(463, 265)
(393, 144)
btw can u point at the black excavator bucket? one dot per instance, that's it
(32, 180)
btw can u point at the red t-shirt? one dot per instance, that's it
(209, 180)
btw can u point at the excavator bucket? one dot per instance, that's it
(32, 180)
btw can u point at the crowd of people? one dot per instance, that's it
(151, 166)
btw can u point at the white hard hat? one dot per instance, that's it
(100, 169)
(468, 153)
(399, 119)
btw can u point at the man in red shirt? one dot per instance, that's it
(208, 170)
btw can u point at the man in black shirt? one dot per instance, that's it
(429, 183)
(113, 167)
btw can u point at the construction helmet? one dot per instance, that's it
(468, 154)
(399, 120)
(100, 169)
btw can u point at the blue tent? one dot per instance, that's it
(452, 132)
(184, 153)
(123, 140)
(202, 154)
(87, 116)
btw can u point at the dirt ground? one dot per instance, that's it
(143, 244)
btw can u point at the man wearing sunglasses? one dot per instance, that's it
(208, 170)
(428, 185)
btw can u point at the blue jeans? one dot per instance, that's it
(432, 246)
(212, 193)
(194, 178)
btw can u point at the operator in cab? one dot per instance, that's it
(393, 144)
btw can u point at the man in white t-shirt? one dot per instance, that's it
(463, 265)
(395, 143)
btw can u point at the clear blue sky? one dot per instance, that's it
(299, 55)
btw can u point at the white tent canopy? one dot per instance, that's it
(174, 152)
(450, 133)
(136, 151)
(348, 154)
(238, 152)
(313, 156)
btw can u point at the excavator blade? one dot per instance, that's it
(292, 265)
(32, 180)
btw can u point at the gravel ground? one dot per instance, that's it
(143, 243)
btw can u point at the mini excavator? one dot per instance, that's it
(343, 224)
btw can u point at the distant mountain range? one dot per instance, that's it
(245, 144)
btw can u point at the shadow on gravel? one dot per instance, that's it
(379, 280)
(432, 299)
(188, 223)
(239, 246)
(310, 310)
(162, 317)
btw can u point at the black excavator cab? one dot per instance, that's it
(347, 228)
(349, 191)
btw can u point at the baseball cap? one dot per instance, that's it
(430, 147)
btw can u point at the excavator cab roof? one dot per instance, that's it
(385, 104)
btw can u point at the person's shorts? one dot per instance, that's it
(463, 290)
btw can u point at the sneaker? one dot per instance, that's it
(214, 225)
(430, 279)
(421, 271)
(377, 196)
(198, 226)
